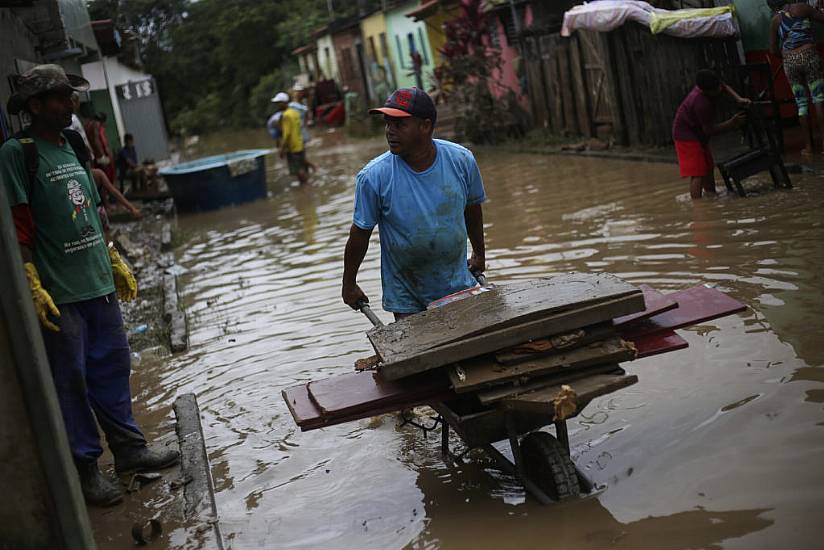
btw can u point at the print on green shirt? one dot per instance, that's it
(69, 245)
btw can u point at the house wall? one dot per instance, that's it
(400, 30)
(349, 66)
(380, 69)
(117, 73)
(327, 59)
(16, 43)
(508, 78)
(435, 31)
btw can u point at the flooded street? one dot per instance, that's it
(720, 444)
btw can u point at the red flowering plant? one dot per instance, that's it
(471, 67)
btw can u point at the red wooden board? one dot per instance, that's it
(655, 344)
(695, 305)
(300, 404)
(349, 393)
(655, 303)
(357, 395)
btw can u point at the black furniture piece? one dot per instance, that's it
(763, 155)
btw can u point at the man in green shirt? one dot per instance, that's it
(75, 278)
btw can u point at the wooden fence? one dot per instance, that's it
(625, 84)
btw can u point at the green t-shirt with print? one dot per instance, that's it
(69, 245)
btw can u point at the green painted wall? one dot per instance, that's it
(401, 31)
(754, 18)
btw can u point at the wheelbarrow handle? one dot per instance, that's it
(364, 308)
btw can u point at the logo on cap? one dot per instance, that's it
(403, 97)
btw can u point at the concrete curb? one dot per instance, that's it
(176, 319)
(198, 488)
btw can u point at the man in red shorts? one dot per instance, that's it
(694, 125)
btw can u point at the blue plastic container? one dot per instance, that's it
(217, 181)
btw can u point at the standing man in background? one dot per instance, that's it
(292, 146)
(75, 280)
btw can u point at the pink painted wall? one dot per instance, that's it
(507, 78)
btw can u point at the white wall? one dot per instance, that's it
(116, 73)
(329, 67)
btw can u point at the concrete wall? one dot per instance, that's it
(26, 504)
(117, 74)
(380, 67)
(400, 31)
(371, 29)
(349, 64)
(42, 506)
(16, 43)
(327, 59)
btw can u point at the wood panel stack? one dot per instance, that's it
(502, 345)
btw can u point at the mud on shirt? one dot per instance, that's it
(69, 246)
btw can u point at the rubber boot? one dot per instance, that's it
(98, 490)
(145, 458)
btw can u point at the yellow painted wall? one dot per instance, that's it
(434, 30)
(373, 26)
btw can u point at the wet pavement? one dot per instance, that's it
(719, 445)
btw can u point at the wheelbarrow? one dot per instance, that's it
(541, 461)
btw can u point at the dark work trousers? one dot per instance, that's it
(90, 363)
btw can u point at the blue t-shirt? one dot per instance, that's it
(422, 228)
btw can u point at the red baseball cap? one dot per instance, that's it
(406, 102)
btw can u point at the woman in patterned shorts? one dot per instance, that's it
(793, 38)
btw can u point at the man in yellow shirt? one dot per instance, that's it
(291, 141)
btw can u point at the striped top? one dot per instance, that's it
(794, 32)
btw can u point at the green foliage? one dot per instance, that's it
(205, 115)
(260, 98)
(216, 60)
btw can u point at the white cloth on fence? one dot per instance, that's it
(608, 15)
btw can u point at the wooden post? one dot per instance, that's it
(579, 89)
(565, 83)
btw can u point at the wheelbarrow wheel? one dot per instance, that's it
(547, 464)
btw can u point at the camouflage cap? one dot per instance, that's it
(40, 79)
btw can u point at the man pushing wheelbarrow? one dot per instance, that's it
(426, 195)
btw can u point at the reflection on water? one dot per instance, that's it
(719, 443)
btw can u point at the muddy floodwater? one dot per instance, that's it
(718, 445)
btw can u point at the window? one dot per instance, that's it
(402, 59)
(423, 46)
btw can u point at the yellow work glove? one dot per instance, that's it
(124, 281)
(43, 303)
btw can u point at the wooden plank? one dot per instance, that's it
(695, 305)
(586, 389)
(478, 373)
(501, 307)
(656, 303)
(487, 343)
(352, 392)
(658, 343)
(499, 393)
(555, 344)
(565, 85)
(361, 395)
(579, 90)
(553, 85)
(300, 405)
(622, 73)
